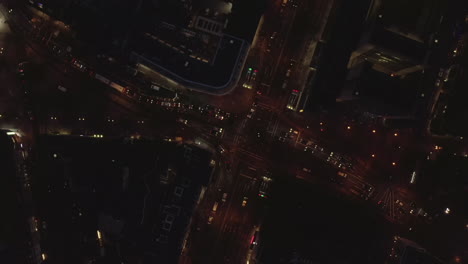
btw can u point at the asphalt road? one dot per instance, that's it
(252, 138)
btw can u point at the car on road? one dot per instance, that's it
(342, 174)
(221, 149)
(62, 89)
(264, 187)
(252, 111)
(182, 121)
(308, 149)
(271, 41)
(217, 131)
(244, 201)
(23, 68)
(215, 207)
(210, 219)
(79, 65)
(254, 240)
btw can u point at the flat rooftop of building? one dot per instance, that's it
(212, 76)
(387, 95)
(200, 60)
(416, 19)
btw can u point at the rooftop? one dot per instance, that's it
(11, 224)
(117, 187)
(205, 51)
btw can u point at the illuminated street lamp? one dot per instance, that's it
(373, 155)
(393, 163)
(373, 131)
(348, 127)
(396, 134)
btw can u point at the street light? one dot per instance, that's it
(348, 127)
(373, 131)
(393, 163)
(396, 134)
(373, 155)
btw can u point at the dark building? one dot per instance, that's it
(14, 233)
(328, 64)
(386, 68)
(113, 200)
(449, 111)
(102, 26)
(406, 251)
(197, 45)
